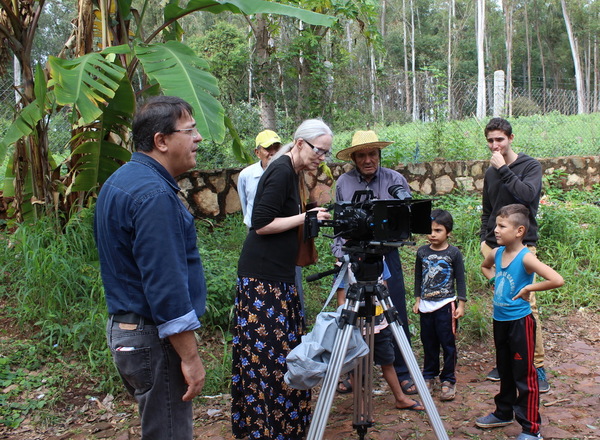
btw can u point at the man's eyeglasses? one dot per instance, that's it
(319, 151)
(191, 131)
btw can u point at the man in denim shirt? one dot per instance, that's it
(151, 270)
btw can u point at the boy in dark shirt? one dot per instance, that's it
(438, 268)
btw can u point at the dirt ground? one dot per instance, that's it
(569, 410)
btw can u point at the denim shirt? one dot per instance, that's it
(146, 241)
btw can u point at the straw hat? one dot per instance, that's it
(360, 141)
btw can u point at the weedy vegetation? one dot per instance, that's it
(53, 311)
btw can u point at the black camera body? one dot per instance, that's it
(369, 220)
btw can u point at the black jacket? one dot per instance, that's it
(519, 182)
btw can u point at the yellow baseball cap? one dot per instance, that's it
(267, 138)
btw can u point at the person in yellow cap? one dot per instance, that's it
(365, 153)
(267, 144)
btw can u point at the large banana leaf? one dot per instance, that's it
(248, 7)
(180, 72)
(23, 126)
(97, 156)
(237, 147)
(86, 83)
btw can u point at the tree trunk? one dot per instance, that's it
(405, 47)
(263, 78)
(31, 154)
(415, 109)
(528, 47)
(581, 107)
(480, 33)
(542, 58)
(382, 18)
(596, 78)
(507, 6)
(85, 23)
(372, 80)
(449, 70)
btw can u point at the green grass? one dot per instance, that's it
(51, 290)
(551, 135)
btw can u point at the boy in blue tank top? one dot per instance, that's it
(514, 325)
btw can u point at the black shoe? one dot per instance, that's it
(493, 375)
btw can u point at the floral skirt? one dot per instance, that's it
(268, 324)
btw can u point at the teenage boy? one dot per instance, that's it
(512, 178)
(514, 324)
(439, 283)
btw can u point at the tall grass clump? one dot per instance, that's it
(56, 283)
(569, 238)
(220, 244)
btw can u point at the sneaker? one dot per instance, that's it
(491, 421)
(523, 436)
(493, 375)
(430, 384)
(448, 391)
(543, 384)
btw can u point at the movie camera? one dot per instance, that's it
(370, 221)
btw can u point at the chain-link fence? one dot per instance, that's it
(434, 124)
(7, 103)
(429, 97)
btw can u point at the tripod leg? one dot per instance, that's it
(363, 383)
(340, 347)
(409, 357)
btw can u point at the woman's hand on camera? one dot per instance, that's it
(322, 213)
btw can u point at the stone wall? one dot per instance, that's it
(214, 193)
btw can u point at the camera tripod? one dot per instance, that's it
(367, 265)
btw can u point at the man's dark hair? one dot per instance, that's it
(518, 212)
(444, 218)
(158, 114)
(498, 124)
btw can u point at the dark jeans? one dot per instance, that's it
(151, 371)
(397, 291)
(438, 329)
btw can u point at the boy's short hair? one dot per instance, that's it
(498, 124)
(444, 218)
(519, 214)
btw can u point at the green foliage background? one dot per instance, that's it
(51, 288)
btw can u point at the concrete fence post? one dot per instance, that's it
(498, 93)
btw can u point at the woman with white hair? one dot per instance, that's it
(269, 321)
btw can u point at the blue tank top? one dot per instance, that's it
(509, 281)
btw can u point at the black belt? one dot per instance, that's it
(131, 318)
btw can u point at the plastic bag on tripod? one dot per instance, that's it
(308, 362)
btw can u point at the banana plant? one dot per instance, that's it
(99, 89)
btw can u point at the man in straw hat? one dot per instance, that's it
(267, 144)
(365, 152)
